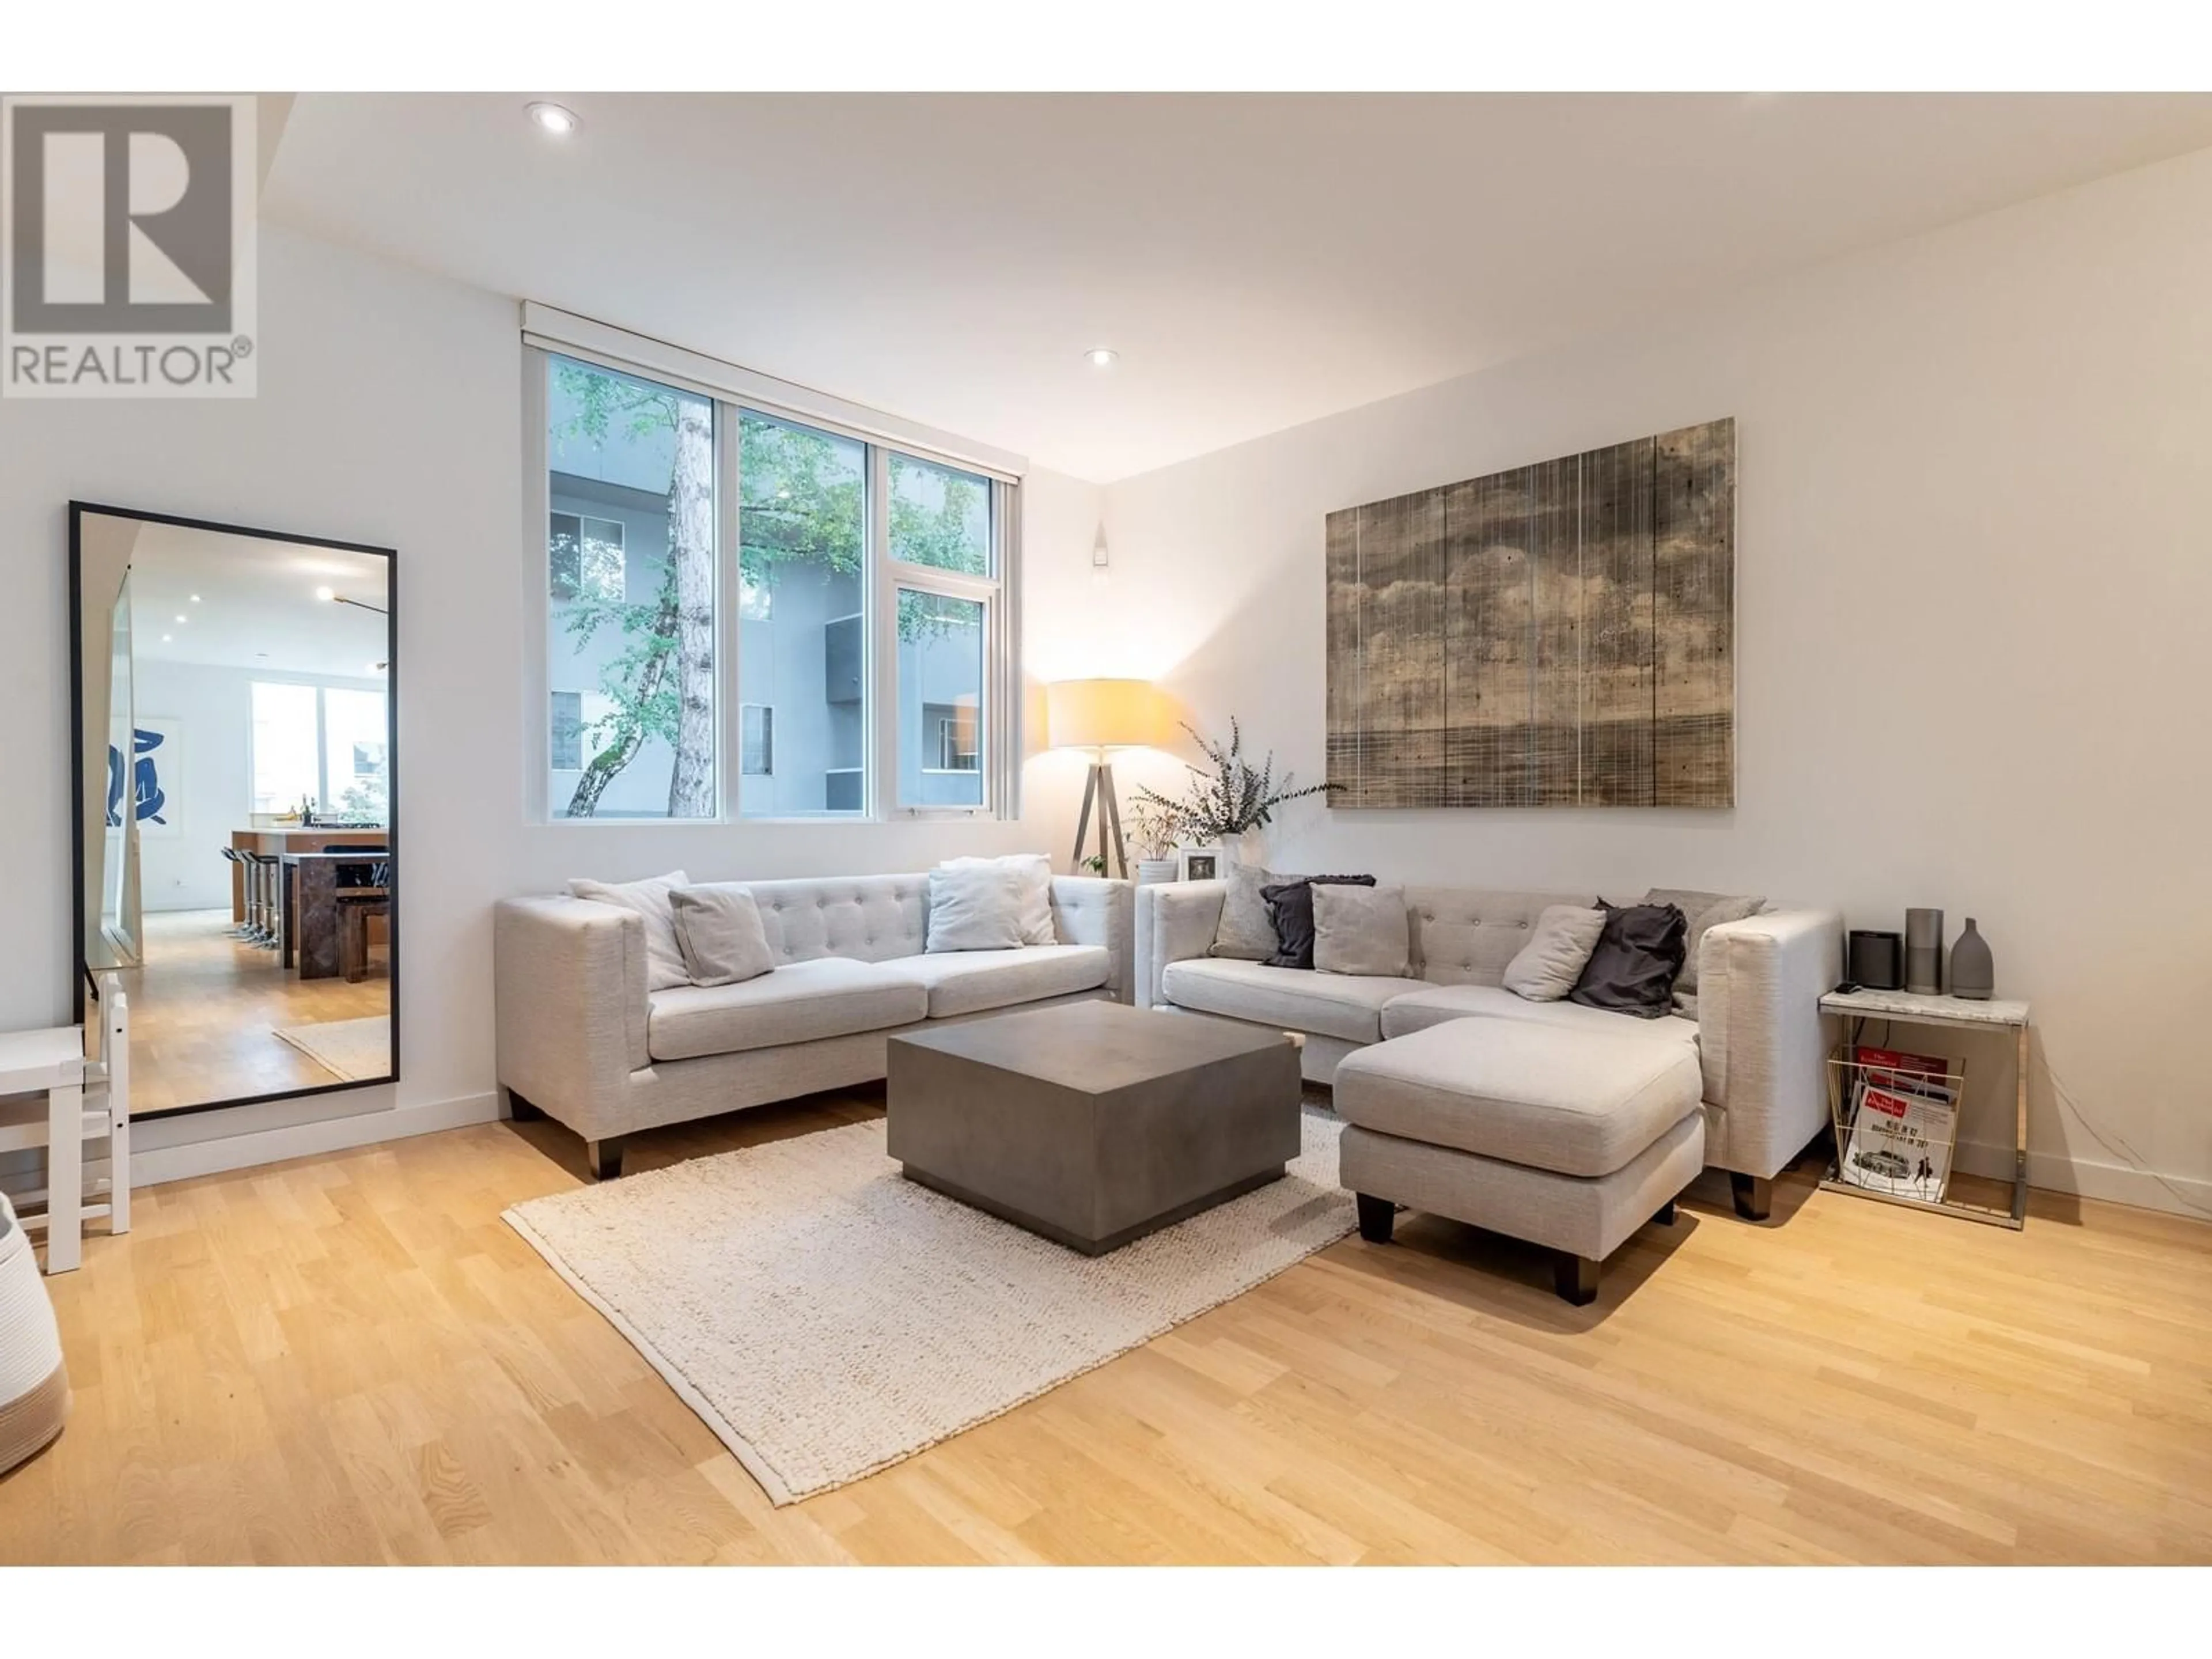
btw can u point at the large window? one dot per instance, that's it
(842, 631)
(630, 552)
(319, 744)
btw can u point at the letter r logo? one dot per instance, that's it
(120, 218)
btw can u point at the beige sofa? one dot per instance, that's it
(1747, 1067)
(581, 1040)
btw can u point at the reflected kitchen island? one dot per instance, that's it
(280, 839)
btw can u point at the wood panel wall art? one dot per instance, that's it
(1561, 635)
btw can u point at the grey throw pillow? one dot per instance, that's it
(977, 907)
(1290, 908)
(1246, 933)
(1361, 930)
(1701, 911)
(1547, 967)
(719, 927)
(664, 957)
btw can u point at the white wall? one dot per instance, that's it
(210, 788)
(1973, 579)
(390, 412)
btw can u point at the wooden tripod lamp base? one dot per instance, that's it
(1098, 791)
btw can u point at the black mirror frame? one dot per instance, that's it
(87, 991)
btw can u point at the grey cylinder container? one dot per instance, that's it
(1924, 952)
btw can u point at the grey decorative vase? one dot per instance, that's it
(1972, 975)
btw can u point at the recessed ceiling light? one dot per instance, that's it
(325, 594)
(555, 119)
(165, 639)
(181, 615)
(1101, 357)
(195, 598)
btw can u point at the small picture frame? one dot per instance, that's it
(1198, 863)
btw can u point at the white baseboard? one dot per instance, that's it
(151, 1166)
(2116, 1182)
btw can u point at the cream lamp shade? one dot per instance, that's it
(1105, 714)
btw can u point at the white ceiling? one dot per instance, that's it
(1258, 260)
(255, 605)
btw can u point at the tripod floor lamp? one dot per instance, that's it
(1100, 715)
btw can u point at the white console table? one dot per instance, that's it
(1954, 1014)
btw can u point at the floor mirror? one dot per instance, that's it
(234, 749)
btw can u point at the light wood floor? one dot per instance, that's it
(351, 1358)
(206, 1007)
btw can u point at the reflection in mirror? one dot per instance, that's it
(114, 942)
(233, 756)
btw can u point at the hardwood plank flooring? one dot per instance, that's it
(351, 1358)
(206, 1007)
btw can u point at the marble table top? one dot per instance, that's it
(1929, 1010)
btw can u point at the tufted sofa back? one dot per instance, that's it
(1465, 935)
(872, 918)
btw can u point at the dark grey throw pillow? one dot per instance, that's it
(1290, 907)
(1639, 953)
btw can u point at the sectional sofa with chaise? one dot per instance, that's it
(1565, 1125)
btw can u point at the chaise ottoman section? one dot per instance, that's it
(1569, 1139)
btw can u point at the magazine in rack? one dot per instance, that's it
(1904, 1125)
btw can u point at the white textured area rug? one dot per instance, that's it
(827, 1317)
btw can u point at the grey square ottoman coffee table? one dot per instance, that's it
(1093, 1124)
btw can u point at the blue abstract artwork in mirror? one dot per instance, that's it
(147, 798)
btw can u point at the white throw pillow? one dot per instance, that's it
(1361, 930)
(1036, 891)
(977, 907)
(1547, 967)
(664, 956)
(721, 931)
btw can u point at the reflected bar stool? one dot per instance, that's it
(231, 856)
(266, 904)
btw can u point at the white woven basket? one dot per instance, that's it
(34, 1396)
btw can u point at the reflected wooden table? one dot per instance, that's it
(309, 928)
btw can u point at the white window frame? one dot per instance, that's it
(890, 574)
(548, 334)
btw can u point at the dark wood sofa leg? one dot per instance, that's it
(1575, 1278)
(1666, 1216)
(1753, 1196)
(521, 1110)
(1376, 1217)
(605, 1157)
